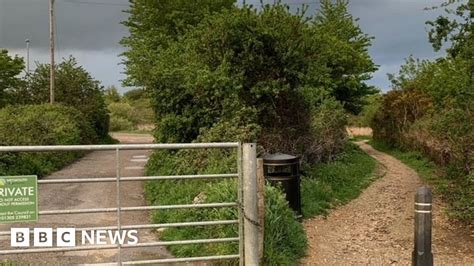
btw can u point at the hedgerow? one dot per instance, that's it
(41, 125)
(431, 112)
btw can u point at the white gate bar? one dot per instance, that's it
(119, 205)
(185, 260)
(240, 197)
(141, 208)
(161, 146)
(134, 178)
(113, 246)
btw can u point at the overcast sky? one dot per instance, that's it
(90, 30)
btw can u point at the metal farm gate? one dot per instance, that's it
(246, 204)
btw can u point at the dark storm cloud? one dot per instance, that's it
(399, 30)
(91, 30)
(398, 27)
(81, 24)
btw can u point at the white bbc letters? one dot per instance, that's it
(66, 237)
(20, 237)
(43, 237)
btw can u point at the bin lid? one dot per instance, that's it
(280, 158)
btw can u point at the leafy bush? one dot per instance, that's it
(130, 111)
(41, 125)
(10, 68)
(431, 112)
(120, 124)
(122, 116)
(74, 87)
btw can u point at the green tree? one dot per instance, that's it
(112, 95)
(257, 69)
(345, 54)
(153, 25)
(74, 87)
(457, 27)
(135, 95)
(10, 68)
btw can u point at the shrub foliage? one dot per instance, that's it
(10, 68)
(431, 109)
(41, 125)
(74, 87)
(266, 69)
(130, 111)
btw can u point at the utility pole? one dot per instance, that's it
(27, 56)
(51, 42)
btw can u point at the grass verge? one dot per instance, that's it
(360, 137)
(454, 188)
(334, 183)
(285, 240)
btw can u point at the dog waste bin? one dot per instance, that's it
(283, 170)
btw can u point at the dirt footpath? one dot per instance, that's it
(377, 227)
(93, 195)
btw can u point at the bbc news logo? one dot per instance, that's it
(67, 237)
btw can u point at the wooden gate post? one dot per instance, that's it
(422, 255)
(250, 209)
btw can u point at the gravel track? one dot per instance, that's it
(377, 227)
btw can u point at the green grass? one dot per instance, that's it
(285, 240)
(359, 138)
(334, 183)
(425, 168)
(454, 188)
(8, 263)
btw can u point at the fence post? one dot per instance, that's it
(250, 213)
(422, 255)
(261, 207)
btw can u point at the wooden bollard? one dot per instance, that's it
(422, 255)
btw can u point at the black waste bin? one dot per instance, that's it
(284, 170)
